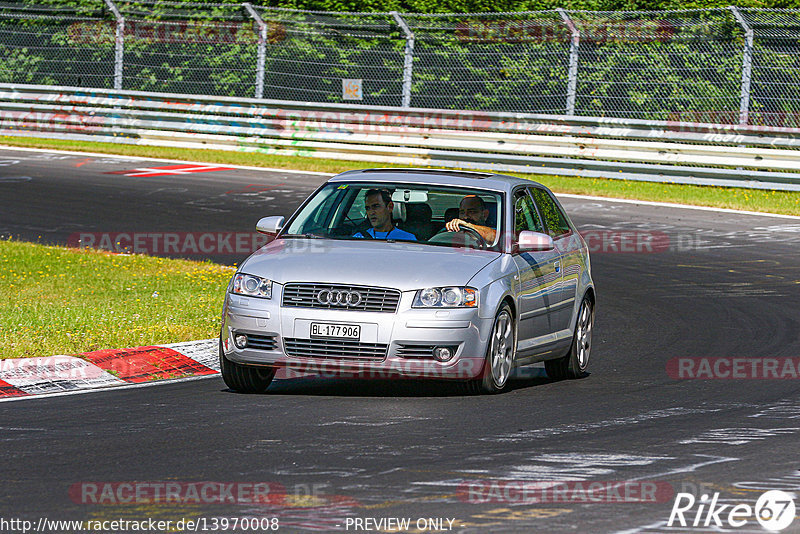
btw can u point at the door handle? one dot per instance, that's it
(557, 265)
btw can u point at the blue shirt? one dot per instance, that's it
(395, 233)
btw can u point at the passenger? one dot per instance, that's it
(378, 204)
(473, 213)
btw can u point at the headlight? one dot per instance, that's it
(446, 297)
(252, 286)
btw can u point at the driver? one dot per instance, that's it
(473, 214)
(378, 204)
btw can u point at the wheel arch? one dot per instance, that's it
(511, 304)
(590, 293)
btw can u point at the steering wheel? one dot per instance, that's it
(481, 242)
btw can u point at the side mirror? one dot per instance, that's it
(270, 225)
(534, 241)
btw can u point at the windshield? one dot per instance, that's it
(434, 215)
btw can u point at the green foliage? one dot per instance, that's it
(19, 66)
(460, 6)
(475, 6)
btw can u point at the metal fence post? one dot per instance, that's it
(747, 66)
(119, 44)
(408, 62)
(575, 42)
(262, 48)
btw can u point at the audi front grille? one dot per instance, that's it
(341, 297)
(334, 348)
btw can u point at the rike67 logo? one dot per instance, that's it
(774, 510)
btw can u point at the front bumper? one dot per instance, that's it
(406, 335)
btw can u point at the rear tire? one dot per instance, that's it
(243, 378)
(574, 364)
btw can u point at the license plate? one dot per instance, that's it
(336, 331)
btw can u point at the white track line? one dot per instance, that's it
(315, 173)
(110, 388)
(682, 206)
(138, 158)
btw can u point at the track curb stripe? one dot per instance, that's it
(141, 364)
(107, 368)
(7, 390)
(54, 374)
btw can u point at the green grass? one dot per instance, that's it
(64, 301)
(720, 197)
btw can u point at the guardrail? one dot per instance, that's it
(663, 151)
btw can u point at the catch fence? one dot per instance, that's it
(719, 66)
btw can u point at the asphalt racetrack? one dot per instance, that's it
(334, 451)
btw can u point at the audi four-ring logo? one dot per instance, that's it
(339, 298)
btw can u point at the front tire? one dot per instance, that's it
(574, 364)
(243, 378)
(500, 354)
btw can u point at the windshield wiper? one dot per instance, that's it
(310, 236)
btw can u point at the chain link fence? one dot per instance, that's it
(36, 46)
(167, 48)
(331, 57)
(724, 66)
(683, 66)
(775, 99)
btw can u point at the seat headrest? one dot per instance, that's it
(399, 211)
(450, 214)
(418, 212)
(491, 219)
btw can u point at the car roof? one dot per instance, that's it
(482, 180)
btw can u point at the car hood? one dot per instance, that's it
(405, 266)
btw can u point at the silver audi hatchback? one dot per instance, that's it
(415, 273)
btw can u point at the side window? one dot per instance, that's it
(554, 220)
(525, 217)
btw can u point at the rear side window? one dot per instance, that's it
(554, 220)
